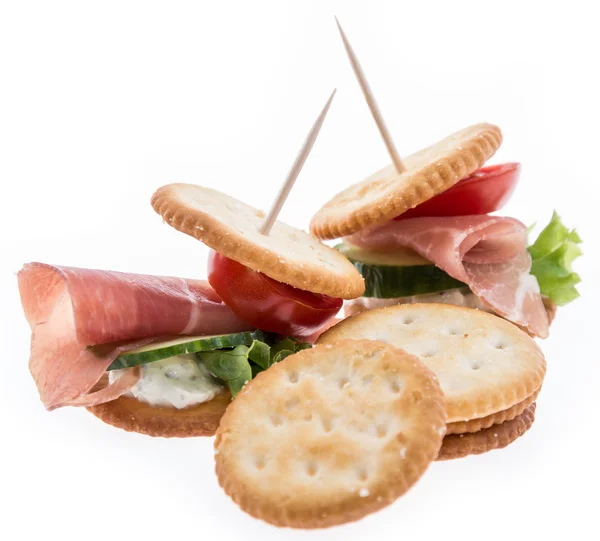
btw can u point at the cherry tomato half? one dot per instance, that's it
(266, 303)
(484, 191)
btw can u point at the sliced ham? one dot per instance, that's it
(488, 253)
(69, 309)
(326, 326)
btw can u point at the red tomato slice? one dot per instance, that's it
(266, 303)
(484, 191)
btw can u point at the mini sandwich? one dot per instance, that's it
(164, 356)
(427, 234)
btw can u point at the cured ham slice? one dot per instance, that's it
(488, 253)
(314, 337)
(70, 309)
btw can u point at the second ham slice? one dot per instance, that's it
(69, 309)
(488, 253)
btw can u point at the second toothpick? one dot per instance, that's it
(296, 168)
(364, 85)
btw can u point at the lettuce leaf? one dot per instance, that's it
(239, 365)
(260, 354)
(289, 344)
(229, 365)
(552, 256)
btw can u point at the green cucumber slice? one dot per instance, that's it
(402, 273)
(182, 345)
(400, 257)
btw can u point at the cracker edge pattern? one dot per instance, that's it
(185, 218)
(491, 404)
(131, 415)
(495, 437)
(355, 508)
(475, 425)
(432, 180)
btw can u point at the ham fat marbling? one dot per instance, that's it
(69, 309)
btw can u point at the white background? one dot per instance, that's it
(102, 102)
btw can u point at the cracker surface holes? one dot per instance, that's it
(337, 454)
(232, 228)
(343, 383)
(367, 380)
(382, 430)
(476, 365)
(416, 396)
(484, 363)
(327, 423)
(292, 403)
(312, 468)
(395, 385)
(362, 474)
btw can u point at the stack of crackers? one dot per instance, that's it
(339, 431)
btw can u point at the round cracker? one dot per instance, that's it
(231, 227)
(330, 434)
(495, 437)
(363, 304)
(475, 425)
(133, 415)
(387, 193)
(484, 363)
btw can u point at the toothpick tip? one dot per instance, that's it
(326, 108)
(267, 224)
(364, 85)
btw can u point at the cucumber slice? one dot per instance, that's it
(400, 257)
(402, 273)
(182, 345)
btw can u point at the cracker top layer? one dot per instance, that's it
(387, 193)
(231, 227)
(484, 363)
(330, 434)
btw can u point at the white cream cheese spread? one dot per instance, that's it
(179, 382)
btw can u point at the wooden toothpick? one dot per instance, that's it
(364, 85)
(296, 168)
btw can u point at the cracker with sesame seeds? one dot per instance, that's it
(388, 193)
(232, 228)
(495, 437)
(330, 434)
(485, 364)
